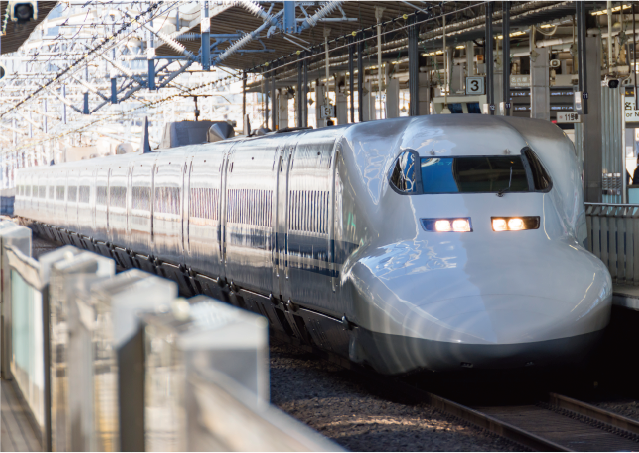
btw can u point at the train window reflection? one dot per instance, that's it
(404, 176)
(473, 174)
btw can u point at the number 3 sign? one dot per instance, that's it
(475, 85)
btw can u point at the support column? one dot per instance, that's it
(582, 107)
(506, 58)
(46, 110)
(282, 114)
(367, 103)
(360, 76)
(539, 84)
(341, 103)
(351, 78)
(150, 60)
(299, 97)
(244, 77)
(151, 72)
(205, 30)
(273, 100)
(392, 98)
(114, 90)
(470, 60)
(64, 106)
(498, 86)
(488, 55)
(413, 68)
(425, 95)
(265, 97)
(319, 102)
(592, 125)
(304, 101)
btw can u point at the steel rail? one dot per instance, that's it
(596, 413)
(598, 419)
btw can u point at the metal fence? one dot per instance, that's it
(110, 362)
(613, 237)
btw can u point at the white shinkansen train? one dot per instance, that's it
(435, 242)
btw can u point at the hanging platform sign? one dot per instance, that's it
(630, 112)
(520, 81)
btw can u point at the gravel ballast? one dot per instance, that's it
(336, 403)
(626, 407)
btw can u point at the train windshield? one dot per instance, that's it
(473, 174)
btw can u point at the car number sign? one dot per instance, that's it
(569, 117)
(475, 85)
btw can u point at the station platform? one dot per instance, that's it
(626, 296)
(17, 432)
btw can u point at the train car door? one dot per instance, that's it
(168, 182)
(280, 275)
(308, 264)
(140, 219)
(101, 200)
(223, 216)
(186, 203)
(250, 187)
(203, 221)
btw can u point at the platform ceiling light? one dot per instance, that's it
(460, 47)
(439, 52)
(512, 35)
(514, 223)
(605, 11)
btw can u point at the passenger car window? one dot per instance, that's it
(404, 175)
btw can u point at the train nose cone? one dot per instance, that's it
(511, 318)
(549, 307)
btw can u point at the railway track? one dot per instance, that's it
(553, 422)
(558, 423)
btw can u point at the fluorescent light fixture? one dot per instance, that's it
(615, 9)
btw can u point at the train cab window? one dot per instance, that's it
(468, 174)
(540, 176)
(404, 174)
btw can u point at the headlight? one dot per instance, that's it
(459, 224)
(514, 223)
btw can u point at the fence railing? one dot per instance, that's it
(613, 237)
(110, 362)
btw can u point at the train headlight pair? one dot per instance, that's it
(459, 224)
(514, 223)
(462, 224)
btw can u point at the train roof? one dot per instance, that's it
(430, 135)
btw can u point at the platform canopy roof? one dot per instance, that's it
(465, 22)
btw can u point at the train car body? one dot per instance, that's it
(387, 242)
